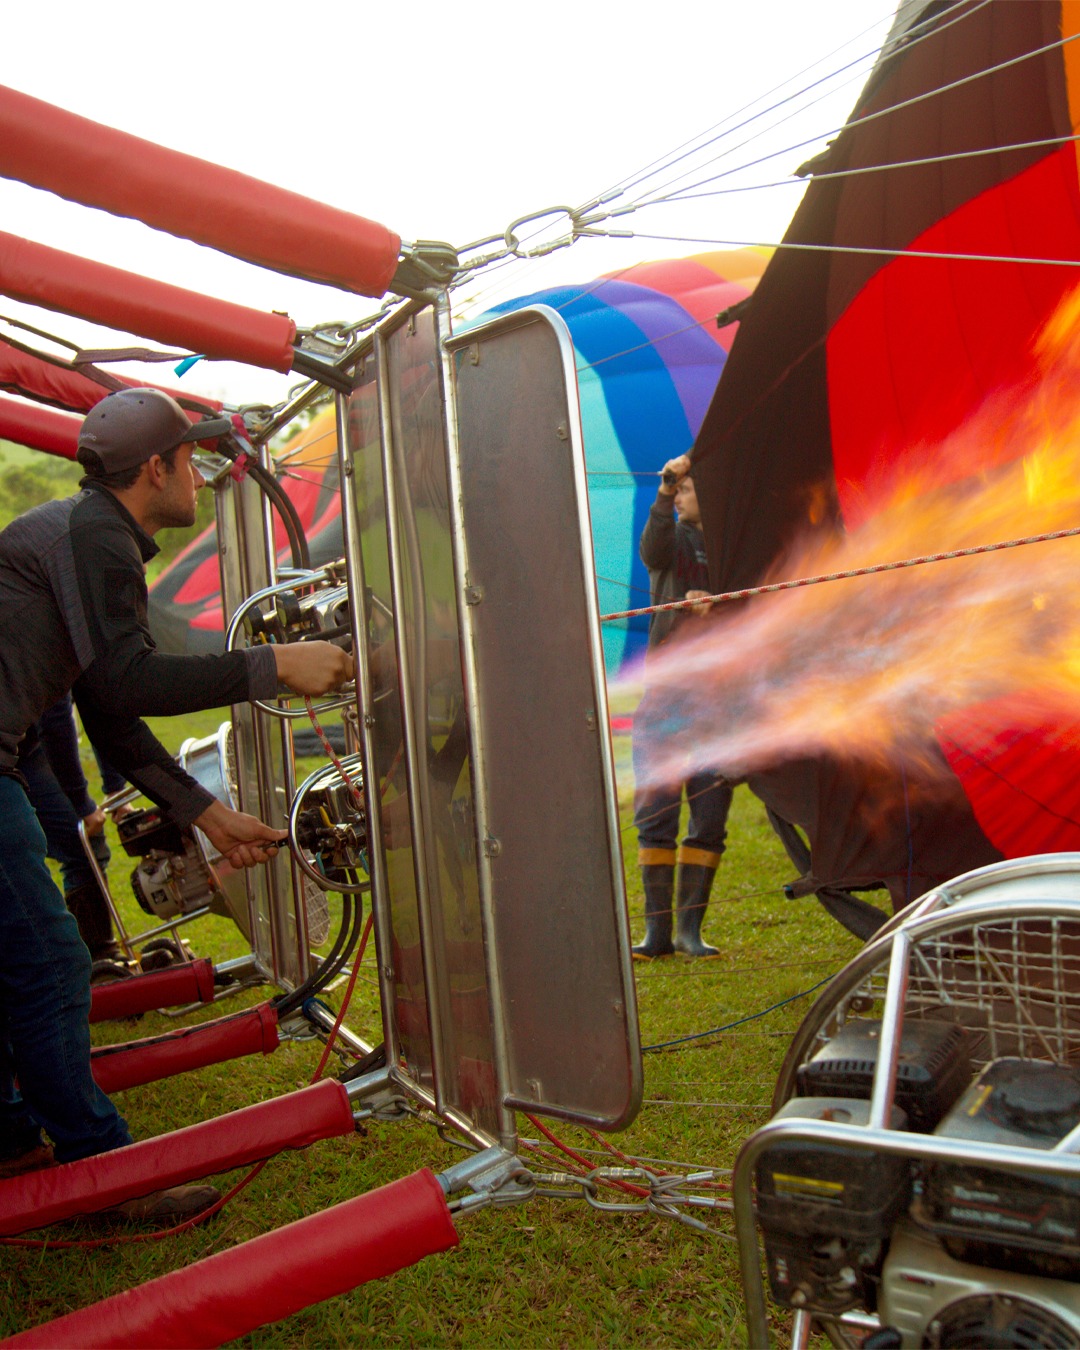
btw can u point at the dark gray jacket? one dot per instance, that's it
(73, 616)
(674, 553)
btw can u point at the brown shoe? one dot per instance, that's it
(165, 1208)
(33, 1160)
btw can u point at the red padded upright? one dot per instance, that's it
(152, 309)
(57, 433)
(253, 1032)
(270, 1277)
(294, 1121)
(191, 198)
(192, 982)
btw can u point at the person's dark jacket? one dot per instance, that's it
(73, 616)
(674, 553)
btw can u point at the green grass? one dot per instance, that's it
(549, 1273)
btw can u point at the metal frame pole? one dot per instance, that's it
(465, 611)
(380, 892)
(407, 680)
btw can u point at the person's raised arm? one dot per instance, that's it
(657, 544)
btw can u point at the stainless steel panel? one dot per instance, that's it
(437, 727)
(550, 843)
(405, 1004)
(272, 921)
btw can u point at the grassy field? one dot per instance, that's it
(549, 1273)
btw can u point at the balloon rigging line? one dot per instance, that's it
(874, 168)
(674, 157)
(290, 455)
(651, 342)
(579, 293)
(621, 473)
(906, 41)
(879, 252)
(654, 1162)
(775, 586)
(317, 482)
(484, 293)
(626, 585)
(664, 164)
(857, 122)
(933, 28)
(726, 1106)
(650, 198)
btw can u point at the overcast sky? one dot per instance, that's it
(441, 122)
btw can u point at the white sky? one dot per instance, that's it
(441, 122)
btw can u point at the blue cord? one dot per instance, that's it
(697, 1035)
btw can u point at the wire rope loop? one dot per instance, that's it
(515, 1190)
(665, 1209)
(590, 1189)
(513, 243)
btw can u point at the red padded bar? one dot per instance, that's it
(124, 1066)
(28, 375)
(40, 428)
(192, 982)
(152, 309)
(99, 166)
(294, 1121)
(270, 1277)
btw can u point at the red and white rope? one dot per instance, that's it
(357, 795)
(842, 576)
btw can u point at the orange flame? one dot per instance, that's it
(863, 668)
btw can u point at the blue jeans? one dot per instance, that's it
(657, 806)
(57, 817)
(44, 1004)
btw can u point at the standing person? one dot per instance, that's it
(73, 617)
(674, 552)
(60, 795)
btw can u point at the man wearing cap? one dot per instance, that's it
(73, 616)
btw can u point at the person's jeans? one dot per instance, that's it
(44, 1004)
(656, 804)
(57, 817)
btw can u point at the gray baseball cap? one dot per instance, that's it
(128, 427)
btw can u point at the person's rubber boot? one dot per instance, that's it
(658, 881)
(695, 883)
(95, 922)
(164, 1209)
